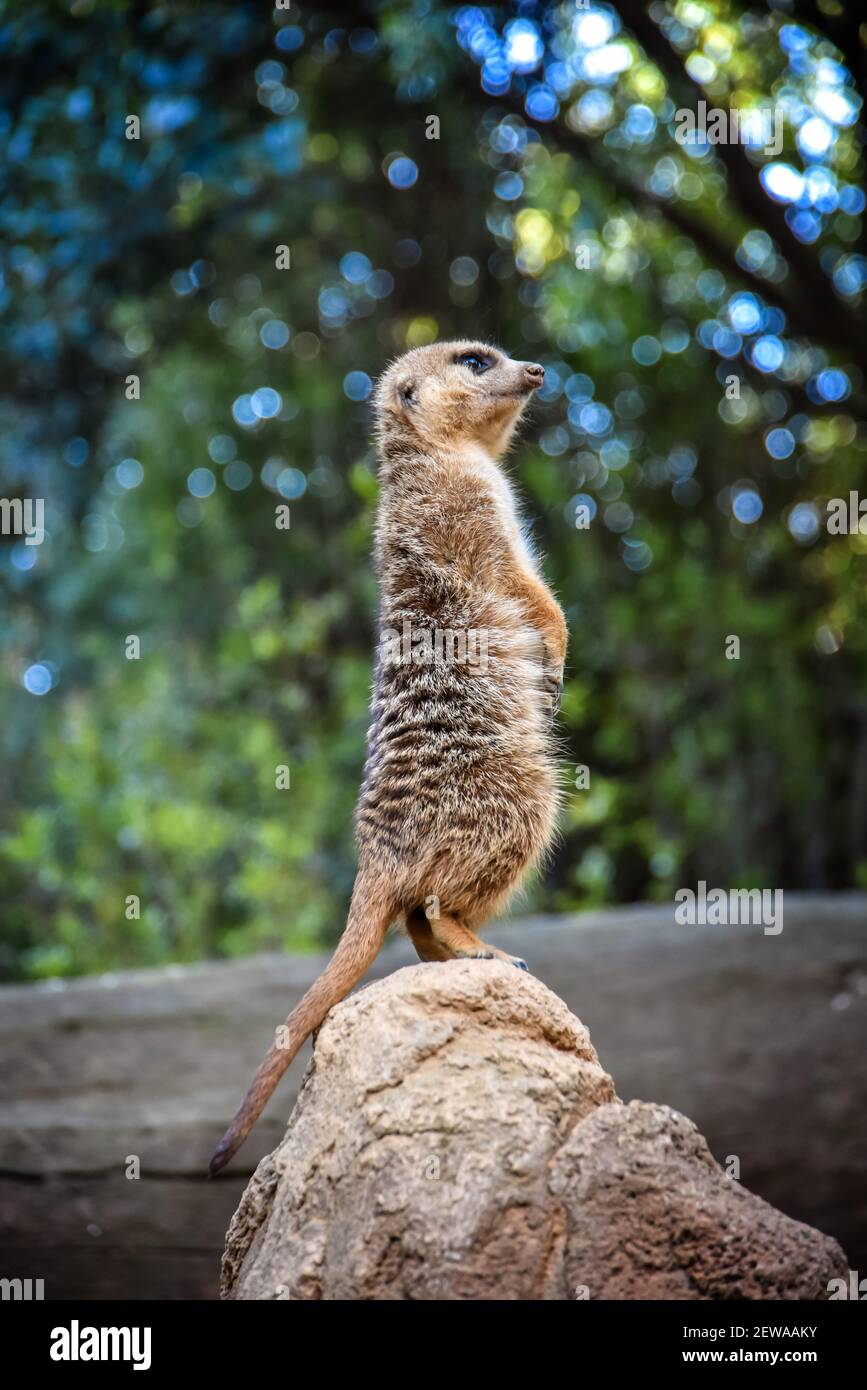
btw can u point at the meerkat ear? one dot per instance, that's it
(406, 393)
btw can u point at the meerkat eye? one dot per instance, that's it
(476, 364)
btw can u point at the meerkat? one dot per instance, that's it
(459, 795)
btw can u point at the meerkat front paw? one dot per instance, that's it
(552, 679)
(552, 685)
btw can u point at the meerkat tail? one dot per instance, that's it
(365, 930)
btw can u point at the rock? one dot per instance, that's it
(153, 1063)
(649, 1214)
(456, 1138)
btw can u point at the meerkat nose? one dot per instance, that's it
(534, 374)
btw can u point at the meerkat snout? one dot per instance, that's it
(454, 394)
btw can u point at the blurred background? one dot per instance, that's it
(510, 172)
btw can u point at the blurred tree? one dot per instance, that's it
(513, 172)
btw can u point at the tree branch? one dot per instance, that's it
(843, 326)
(715, 247)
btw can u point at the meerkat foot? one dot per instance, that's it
(470, 947)
(510, 960)
(456, 937)
(491, 953)
(461, 943)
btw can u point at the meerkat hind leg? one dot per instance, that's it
(465, 945)
(420, 933)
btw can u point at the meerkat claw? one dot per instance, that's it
(553, 688)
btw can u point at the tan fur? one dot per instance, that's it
(459, 796)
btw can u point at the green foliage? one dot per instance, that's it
(155, 778)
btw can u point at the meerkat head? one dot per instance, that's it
(455, 394)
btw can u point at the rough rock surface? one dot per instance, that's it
(457, 1138)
